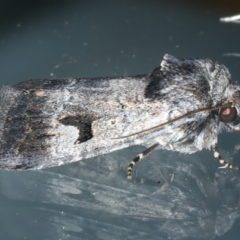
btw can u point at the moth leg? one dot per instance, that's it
(221, 160)
(138, 158)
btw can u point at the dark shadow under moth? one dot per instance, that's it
(181, 105)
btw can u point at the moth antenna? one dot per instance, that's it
(176, 119)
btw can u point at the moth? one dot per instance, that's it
(181, 106)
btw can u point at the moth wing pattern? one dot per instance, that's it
(53, 122)
(46, 123)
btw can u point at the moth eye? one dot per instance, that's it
(227, 114)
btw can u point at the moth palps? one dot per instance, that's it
(181, 105)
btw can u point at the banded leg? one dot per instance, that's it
(221, 160)
(138, 158)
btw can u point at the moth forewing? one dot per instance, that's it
(45, 123)
(68, 120)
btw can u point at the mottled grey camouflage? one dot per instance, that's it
(46, 123)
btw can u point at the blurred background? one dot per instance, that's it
(172, 196)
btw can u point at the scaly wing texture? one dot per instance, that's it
(46, 123)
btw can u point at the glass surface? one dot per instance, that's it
(172, 196)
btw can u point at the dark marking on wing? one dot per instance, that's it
(54, 84)
(14, 126)
(21, 167)
(34, 84)
(83, 122)
(156, 84)
(25, 128)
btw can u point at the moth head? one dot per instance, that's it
(230, 115)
